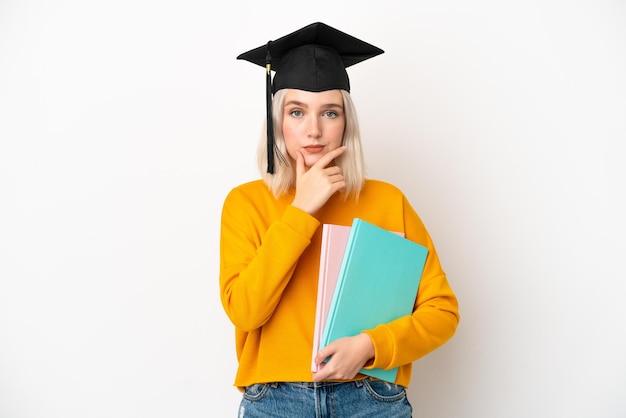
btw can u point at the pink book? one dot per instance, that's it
(334, 241)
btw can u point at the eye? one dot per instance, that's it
(331, 114)
(296, 113)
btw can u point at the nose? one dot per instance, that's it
(315, 128)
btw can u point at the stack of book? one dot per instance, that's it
(368, 276)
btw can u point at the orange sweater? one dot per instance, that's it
(269, 265)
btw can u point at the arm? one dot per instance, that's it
(436, 312)
(257, 259)
(398, 342)
(406, 339)
(259, 251)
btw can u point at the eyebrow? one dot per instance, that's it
(301, 104)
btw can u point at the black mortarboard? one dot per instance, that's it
(313, 58)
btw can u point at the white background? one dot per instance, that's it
(123, 124)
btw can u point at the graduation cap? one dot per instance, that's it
(313, 58)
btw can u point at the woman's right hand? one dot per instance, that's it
(315, 185)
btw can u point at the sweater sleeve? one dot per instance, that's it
(435, 316)
(258, 255)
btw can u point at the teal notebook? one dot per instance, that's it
(378, 282)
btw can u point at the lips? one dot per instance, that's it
(314, 149)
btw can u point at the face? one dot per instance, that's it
(313, 123)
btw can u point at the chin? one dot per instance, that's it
(310, 161)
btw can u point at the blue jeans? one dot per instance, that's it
(360, 399)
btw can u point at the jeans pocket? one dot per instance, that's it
(384, 391)
(255, 392)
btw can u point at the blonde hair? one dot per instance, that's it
(351, 162)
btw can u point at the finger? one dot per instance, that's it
(325, 353)
(323, 372)
(328, 158)
(333, 170)
(335, 179)
(337, 183)
(330, 370)
(300, 168)
(320, 376)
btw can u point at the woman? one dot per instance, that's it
(270, 245)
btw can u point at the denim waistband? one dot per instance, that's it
(312, 385)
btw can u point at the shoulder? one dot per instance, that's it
(249, 193)
(380, 187)
(251, 188)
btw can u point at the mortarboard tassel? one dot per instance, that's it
(268, 100)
